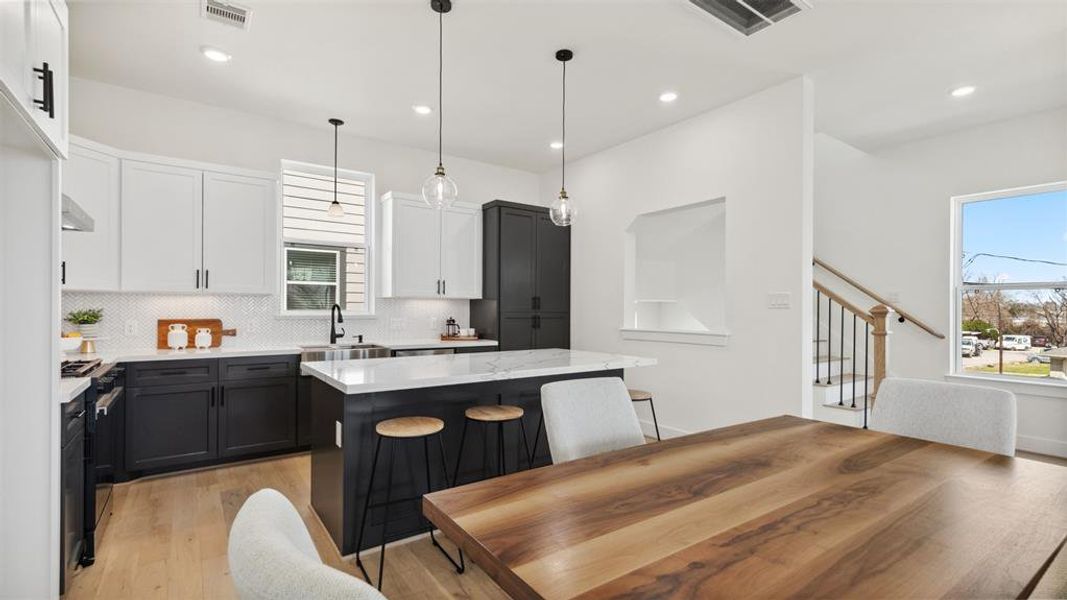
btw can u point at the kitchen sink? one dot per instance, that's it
(343, 352)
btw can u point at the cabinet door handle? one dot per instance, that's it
(207, 278)
(198, 279)
(258, 368)
(444, 287)
(438, 287)
(63, 272)
(47, 103)
(174, 372)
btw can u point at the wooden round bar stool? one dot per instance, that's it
(397, 430)
(643, 396)
(489, 415)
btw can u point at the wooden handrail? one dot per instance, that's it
(852, 308)
(866, 290)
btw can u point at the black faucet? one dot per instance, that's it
(335, 318)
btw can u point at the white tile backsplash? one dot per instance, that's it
(129, 321)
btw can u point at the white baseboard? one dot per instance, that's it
(1039, 445)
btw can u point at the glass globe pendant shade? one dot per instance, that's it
(439, 190)
(562, 210)
(336, 210)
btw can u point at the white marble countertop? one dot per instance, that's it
(70, 387)
(387, 374)
(151, 354)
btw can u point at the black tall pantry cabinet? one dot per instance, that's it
(526, 292)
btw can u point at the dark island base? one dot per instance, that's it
(339, 476)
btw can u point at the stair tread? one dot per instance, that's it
(846, 377)
(846, 406)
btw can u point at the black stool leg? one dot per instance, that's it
(462, 566)
(537, 437)
(655, 423)
(366, 509)
(385, 521)
(526, 444)
(459, 455)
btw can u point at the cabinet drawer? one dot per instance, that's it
(258, 367)
(172, 372)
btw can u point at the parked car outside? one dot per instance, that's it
(969, 347)
(1038, 357)
(1015, 342)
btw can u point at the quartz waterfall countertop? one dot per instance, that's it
(151, 354)
(387, 374)
(70, 387)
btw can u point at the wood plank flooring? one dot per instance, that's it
(167, 539)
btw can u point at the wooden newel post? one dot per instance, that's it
(879, 314)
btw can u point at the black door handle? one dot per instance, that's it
(207, 278)
(444, 287)
(47, 103)
(198, 279)
(63, 272)
(438, 287)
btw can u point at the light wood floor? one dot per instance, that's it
(167, 539)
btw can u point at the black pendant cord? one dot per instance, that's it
(563, 140)
(335, 128)
(440, 87)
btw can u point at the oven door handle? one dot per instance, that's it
(103, 405)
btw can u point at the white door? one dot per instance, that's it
(461, 251)
(162, 213)
(240, 235)
(15, 67)
(49, 33)
(416, 260)
(91, 258)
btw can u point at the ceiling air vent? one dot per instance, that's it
(750, 16)
(227, 14)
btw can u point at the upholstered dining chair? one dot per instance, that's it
(584, 417)
(961, 415)
(272, 556)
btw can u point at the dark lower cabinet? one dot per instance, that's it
(72, 490)
(257, 416)
(171, 425)
(303, 411)
(552, 331)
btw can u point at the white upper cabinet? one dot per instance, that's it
(461, 251)
(33, 64)
(162, 225)
(430, 253)
(91, 258)
(239, 241)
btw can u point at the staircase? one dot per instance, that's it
(850, 351)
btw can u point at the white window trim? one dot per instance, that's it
(957, 287)
(370, 226)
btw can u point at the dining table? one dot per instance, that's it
(784, 506)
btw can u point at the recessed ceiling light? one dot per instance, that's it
(556, 145)
(668, 97)
(963, 90)
(214, 54)
(421, 109)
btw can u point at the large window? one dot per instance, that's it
(1011, 282)
(326, 260)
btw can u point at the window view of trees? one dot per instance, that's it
(1013, 289)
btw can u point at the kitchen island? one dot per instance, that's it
(350, 397)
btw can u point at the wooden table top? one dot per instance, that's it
(779, 507)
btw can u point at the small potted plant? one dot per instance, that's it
(87, 320)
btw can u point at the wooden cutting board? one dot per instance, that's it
(215, 325)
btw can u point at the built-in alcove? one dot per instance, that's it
(675, 280)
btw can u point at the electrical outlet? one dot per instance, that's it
(779, 300)
(130, 328)
(337, 433)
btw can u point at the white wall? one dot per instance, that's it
(884, 219)
(757, 153)
(29, 413)
(142, 122)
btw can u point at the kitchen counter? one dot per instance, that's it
(150, 354)
(388, 374)
(71, 387)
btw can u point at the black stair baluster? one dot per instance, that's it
(818, 342)
(841, 362)
(866, 364)
(829, 335)
(854, 360)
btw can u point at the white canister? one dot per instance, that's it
(203, 338)
(178, 336)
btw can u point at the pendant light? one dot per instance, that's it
(562, 211)
(335, 211)
(439, 191)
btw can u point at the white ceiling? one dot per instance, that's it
(882, 69)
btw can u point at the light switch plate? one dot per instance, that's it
(337, 433)
(779, 300)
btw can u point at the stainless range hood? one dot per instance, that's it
(74, 217)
